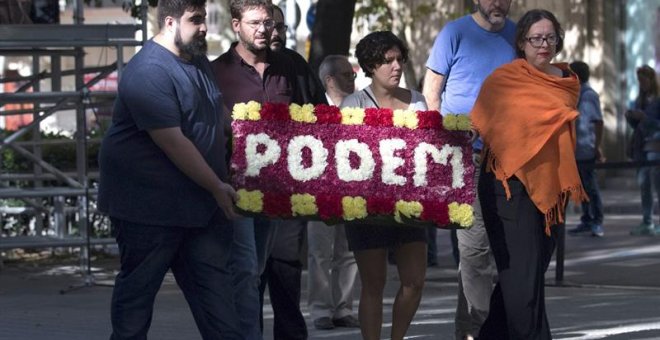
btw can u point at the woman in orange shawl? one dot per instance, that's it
(525, 114)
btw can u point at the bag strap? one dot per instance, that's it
(366, 91)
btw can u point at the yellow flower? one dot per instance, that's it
(405, 118)
(303, 205)
(450, 121)
(252, 201)
(239, 111)
(460, 122)
(352, 116)
(461, 214)
(303, 114)
(412, 209)
(253, 109)
(354, 207)
(464, 123)
(249, 111)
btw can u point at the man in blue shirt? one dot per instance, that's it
(589, 132)
(465, 52)
(163, 180)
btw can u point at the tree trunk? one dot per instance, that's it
(332, 30)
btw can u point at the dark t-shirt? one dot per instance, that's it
(138, 181)
(311, 88)
(239, 82)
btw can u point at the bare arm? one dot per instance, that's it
(433, 85)
(181, 151)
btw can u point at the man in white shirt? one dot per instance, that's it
(338, 78)
(332, 267)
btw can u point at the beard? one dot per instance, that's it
(277, 44)
(494, 20)
(197, 46)
(250, 45)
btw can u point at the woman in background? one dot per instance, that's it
(645, 144)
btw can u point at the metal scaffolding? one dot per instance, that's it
(54, 42)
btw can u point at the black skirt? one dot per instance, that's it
(369, 236)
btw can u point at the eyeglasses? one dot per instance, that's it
(255, 24)
(537, 41)
(348, 75)
(281, 26)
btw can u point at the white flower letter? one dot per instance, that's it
(295, 160)
(387, 147)
(423, 149)
(255, 160)
(365, 171)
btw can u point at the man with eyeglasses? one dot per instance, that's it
(283, 269)
(465, 52)
(332, 270)
(250, 71)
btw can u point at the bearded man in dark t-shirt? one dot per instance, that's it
(163, 180)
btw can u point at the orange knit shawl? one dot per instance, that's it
(526, 119)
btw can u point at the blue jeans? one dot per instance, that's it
(250, 248)
(647, 178)
(592, 211)
(198, 259)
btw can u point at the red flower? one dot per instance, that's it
(277, 204)
(378, 117)
(275, 111)
(380, 205)
(328, 114)
(429, 119)
(329, 206)
(436, 212)
(371, 116)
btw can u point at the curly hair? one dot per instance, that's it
(371, 50)
(529, 19)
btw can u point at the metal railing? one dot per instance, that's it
(71, 195)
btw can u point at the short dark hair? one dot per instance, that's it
(581, 69)
(176, 8)
(329, 67)
(278, 9)
(648, 72)
(237, 7)
(370, 51)
(529, 19)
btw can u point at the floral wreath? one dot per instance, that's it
(296, 192)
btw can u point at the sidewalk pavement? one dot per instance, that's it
(611, 290)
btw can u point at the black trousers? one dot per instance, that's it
(522, 250)
(282, 275)
(198, 259)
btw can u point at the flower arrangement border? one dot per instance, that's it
(335, 207)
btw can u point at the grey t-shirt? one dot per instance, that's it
(366, 99)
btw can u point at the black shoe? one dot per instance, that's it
(324, 323)
(582, 228)
(348, 321)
